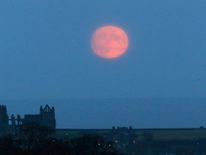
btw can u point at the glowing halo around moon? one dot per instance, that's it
(109, 42)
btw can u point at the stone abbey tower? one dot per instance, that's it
(11, 125)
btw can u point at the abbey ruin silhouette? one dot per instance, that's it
(11, 125)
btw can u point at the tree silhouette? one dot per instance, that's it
(8, 147)
(34, 134)
(37, 140)
(92, 145)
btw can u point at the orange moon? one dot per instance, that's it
(110, 42)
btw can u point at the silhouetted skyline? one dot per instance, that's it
(105, 113)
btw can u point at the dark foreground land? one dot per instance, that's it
(37, 140)
(182, 141)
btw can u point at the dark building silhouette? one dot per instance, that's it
(46, 117)
(4, 119)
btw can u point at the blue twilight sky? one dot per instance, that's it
(45, 49)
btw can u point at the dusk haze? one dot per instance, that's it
(104, 65)
(45, 54)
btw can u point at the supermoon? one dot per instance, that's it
(110, 42)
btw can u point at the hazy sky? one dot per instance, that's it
(45, 49)
(45, 53)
